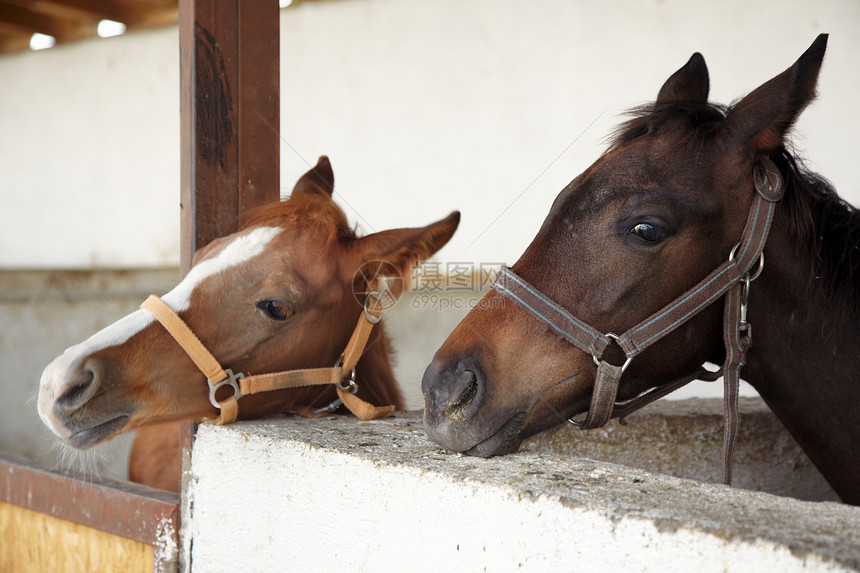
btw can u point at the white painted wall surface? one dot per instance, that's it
(487, 106)
(426, 107)
(341, 495)
(89, 154)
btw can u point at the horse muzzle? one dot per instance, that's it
(454, 395)
(68, 386)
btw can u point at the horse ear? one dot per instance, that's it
(397, 250)
(320, 179)
(689, 84)
(764, 116)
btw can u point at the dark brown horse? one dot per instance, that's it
(277, 295)
(653, 216)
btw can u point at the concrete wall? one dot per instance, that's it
(338, 494)
(89, 154)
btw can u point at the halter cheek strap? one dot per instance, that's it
(342, 375)
(731, 279)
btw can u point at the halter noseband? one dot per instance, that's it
(342, 375)
(732, 279)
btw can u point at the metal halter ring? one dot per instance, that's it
(372, 318)
(347, 385)
(231, 380)
(760, 268)
(613, 337)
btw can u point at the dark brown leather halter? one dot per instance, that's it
(732, 279)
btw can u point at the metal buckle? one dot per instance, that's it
(350, 385)
(768, 180)
(613, 337)
(372, 318)
(231, 380)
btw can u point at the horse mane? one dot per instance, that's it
(826, 228)
(374, 374)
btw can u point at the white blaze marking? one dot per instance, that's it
(53, 382)
(242, 249)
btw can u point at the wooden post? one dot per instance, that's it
(229, 111)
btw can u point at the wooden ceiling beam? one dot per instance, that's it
(29, 22)
(131, 13)
(11, 41)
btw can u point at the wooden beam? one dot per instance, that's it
(229, 66)
(129, 510)
(29, 22)
(132, 14)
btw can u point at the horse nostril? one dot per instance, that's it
(79, 390)
(453, 389)
(466, 384)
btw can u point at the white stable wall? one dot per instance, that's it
(487, 106)
(89, 154)
(425, 107)
(337, 494)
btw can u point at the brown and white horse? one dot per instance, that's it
(639, 229)
(277, 295)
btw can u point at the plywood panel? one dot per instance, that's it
(123, 511)
(32, 541)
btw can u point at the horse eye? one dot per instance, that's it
(648, 232)
(274, 309)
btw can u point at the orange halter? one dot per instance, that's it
(342, 374)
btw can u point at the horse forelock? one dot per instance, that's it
(319, 217)
(687, 122)
(315, 214)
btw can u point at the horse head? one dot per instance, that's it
(654, 215)
(276, 295)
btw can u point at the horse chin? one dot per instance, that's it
(504, 441)
(86, 437)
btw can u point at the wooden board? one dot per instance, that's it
(33, 541)
(95, 524)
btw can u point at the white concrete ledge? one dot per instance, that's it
(684, 438)
(339, 494)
